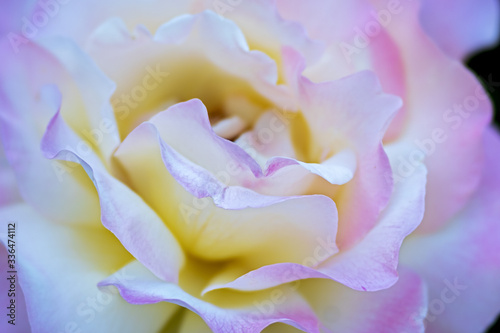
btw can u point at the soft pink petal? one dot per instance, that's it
(235, 221)
(123, 212)
(350, 49)
(270, 144)
(372, 263)
(364, 197)
(324, 20)
(203, 147)
(386, 62)
(277, 274)
(349, 113)
(269, 136)
(461, 109)
(186, 128)
(401, 308)
(369, 265)
(447, 111)
(267, 31)
(147, 289)
(362, 118)
(337, 24)
(461, 263)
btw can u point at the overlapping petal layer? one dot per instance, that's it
(217, 149)
(45, 251)
(249, 316)
(461, 263)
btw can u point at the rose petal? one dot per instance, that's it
(60, 191)
(235, 221)
(64, 273)
(252, 317)
(460, 109)
(266, 31)
(461, 263)
(95, 121)
(336, 24)
(356, 117)
(61, 14)
(228, 162)
(123, 212)
(372, 263)
(270, 144)
(400, 308)
(188, 51)
(272, 275)
(369, 265)
(446, 115)
(186, 128)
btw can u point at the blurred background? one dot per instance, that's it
(486, 65)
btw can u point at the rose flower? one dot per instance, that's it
(247, 166)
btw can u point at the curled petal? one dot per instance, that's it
(65, 274)
(372, 263)
(60, 191)
(252, 317)
(400, 308)
(123, 212)
(445, 128)
(349, 113)
(235, 221)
